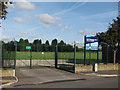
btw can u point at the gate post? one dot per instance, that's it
(74, 58)
(2, 55)
(15, 56)
(98, 56)
(107, 53)
(30, 59)
(85, 50)
(56, 52)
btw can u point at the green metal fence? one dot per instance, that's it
(91, 57)
(108, 54)
(59, 56)
(118, 55)
(8, 55)
(67, 60)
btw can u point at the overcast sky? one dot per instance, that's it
(68, 21)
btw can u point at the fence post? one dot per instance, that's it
(114, 58)
(56, 53)
(15, 56)
(98, 56)
(107, 54)
(84, 50)
(30, 59)
(2, 55)
(89, 53)
(74, 58)
(9, 56)
(90, 57)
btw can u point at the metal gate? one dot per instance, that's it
(65, 57)
(37, 55)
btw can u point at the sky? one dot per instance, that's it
(68, 21)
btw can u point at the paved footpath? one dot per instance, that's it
(54, 78)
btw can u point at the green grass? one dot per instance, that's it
(51, 55)
(79, 55)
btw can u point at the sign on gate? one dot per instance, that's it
(91, 42)
(28, 47)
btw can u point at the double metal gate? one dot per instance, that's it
(36, 56)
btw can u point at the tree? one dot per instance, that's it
(47, 43)
(111, 36)
(11, 46)
(26, 42)
(61, 46)
(2, 42)
(39, 45)
(69, 48)
(21, 41)
(3, 11)
(53, 44)
(35, 42)
(47, 46)
(35, 45)
(62, 43)
(22, 44)
(40, 41)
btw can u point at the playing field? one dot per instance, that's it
(61, 55)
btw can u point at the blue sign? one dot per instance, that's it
(91, 43)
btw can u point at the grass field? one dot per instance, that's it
(51, 55)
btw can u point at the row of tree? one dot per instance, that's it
(38, 46)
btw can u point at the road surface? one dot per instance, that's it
(53, 78)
